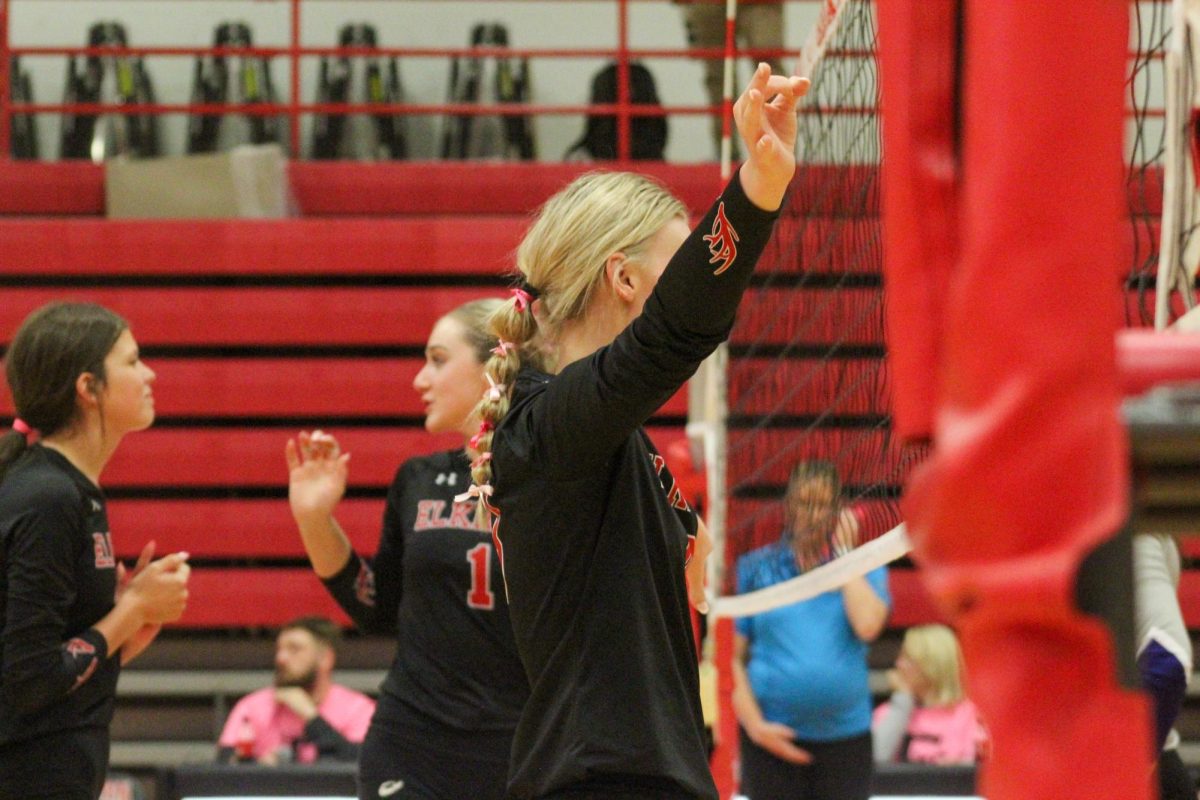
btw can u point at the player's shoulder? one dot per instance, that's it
(529, 385)
(36, 479)
(454, 460)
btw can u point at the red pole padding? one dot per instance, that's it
(1028, 471)
(1147, 358)
(917, 62)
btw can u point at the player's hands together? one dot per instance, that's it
(159, 589)
(146, 634)
(765, 116)
(317, 473)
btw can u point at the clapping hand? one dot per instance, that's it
(317, 473)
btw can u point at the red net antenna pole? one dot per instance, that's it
(731, 9)
(1012, 187)
(5, 86)
(624, 143)
(294, 104)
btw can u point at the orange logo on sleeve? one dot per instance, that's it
(722, 242)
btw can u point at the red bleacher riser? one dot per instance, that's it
(200, 457)
(294, 387)
(767, 456)
(911, 603)
(366, 315)
(1189, 597)
(230, 529)
(253, 457)
(807, 386)
(438, 245)
(354, 189)
(810, 316)
(839, 245)
(224, 597)
(243, 597)
(1189, 544)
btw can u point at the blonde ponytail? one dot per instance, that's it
(560, 264)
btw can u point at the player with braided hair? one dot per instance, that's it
(616, 307)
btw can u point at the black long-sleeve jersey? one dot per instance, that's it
(593, 536)
(436, 582)
(57, 579)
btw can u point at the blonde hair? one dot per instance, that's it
(474, 316)
(935, 651)
(563, 258)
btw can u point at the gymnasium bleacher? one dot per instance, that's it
(258, 329)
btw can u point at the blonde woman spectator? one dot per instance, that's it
(928, 719)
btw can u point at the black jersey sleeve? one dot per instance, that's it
(369, 589)
(330, 743)
(596, 402)
(43, 661)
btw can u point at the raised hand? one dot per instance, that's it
(317, 472)
(765, 116)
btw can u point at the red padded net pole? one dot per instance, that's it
(1003, 224)
(5, 85)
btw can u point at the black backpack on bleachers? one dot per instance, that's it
(370, 79)
(647, 134)
(476, 136)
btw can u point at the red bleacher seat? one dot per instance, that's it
(248, 316)
(248, 597)
(278, 388)
(224, 529)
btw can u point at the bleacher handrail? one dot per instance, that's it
(294, 51)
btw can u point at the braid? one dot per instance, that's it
(517, 329)
(560, 266)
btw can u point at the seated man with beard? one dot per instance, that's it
(305, 716)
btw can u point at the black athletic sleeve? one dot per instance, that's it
(369, 590)
(40, 664)
(330, 743)
(596, 402)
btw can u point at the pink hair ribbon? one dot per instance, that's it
(485, 428)
(22, 427)
(495, 390)
(475, 491)
(483, 459)
(503, 348)
(524, 299)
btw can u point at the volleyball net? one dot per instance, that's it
(806, 381)
(1170, 34)
(806, 377)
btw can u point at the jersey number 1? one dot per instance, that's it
(481, 596)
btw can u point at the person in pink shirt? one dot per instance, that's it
(928, 719)
(305, 716)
